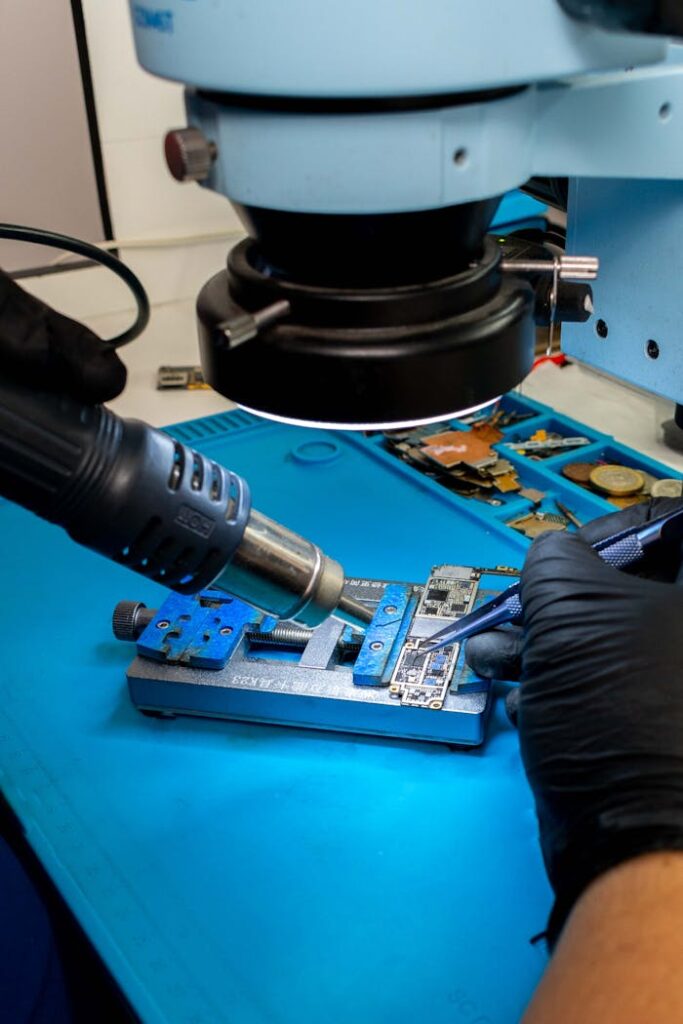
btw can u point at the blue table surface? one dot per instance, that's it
(249, 873)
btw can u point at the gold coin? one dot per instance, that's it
(667, 489)
(629, 501)
(617, 480)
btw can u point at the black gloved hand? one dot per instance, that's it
(48, 351)
(600, 717)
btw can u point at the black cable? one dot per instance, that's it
(20, 233)
(91, 115)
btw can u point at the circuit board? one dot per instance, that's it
(236, 663)
(422, 679)
(449, 593)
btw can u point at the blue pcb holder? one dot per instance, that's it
(229, 872)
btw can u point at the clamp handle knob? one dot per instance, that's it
(131, 619)
(189, 154)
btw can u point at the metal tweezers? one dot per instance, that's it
(619, 550)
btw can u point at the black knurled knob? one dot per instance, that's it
(189, 154)
(130, 619)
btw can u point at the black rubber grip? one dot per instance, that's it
(121, 487)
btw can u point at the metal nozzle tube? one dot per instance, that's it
(349, 608)
(283, 574)
(147, 501)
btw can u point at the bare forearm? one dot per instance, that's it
(620, 957)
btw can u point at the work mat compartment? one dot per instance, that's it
(543, 428)
(611, 454)
(541, 493)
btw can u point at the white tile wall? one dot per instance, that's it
(134, 112)
(146, 201)
(131, 104)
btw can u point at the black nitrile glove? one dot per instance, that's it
(48, 351)
(600, 711)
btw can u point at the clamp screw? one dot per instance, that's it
(131, 619)
(242, 326)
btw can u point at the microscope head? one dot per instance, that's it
(365, 152)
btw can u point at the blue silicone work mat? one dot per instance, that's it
(229, 872)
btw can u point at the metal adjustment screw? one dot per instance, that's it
(564, 268)
(298, 636)
(242, 325)
(131, 619)
(189, 154)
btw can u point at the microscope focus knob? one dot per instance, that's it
(130, 619)
(189, 154)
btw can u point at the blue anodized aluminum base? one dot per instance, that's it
(198, 656)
